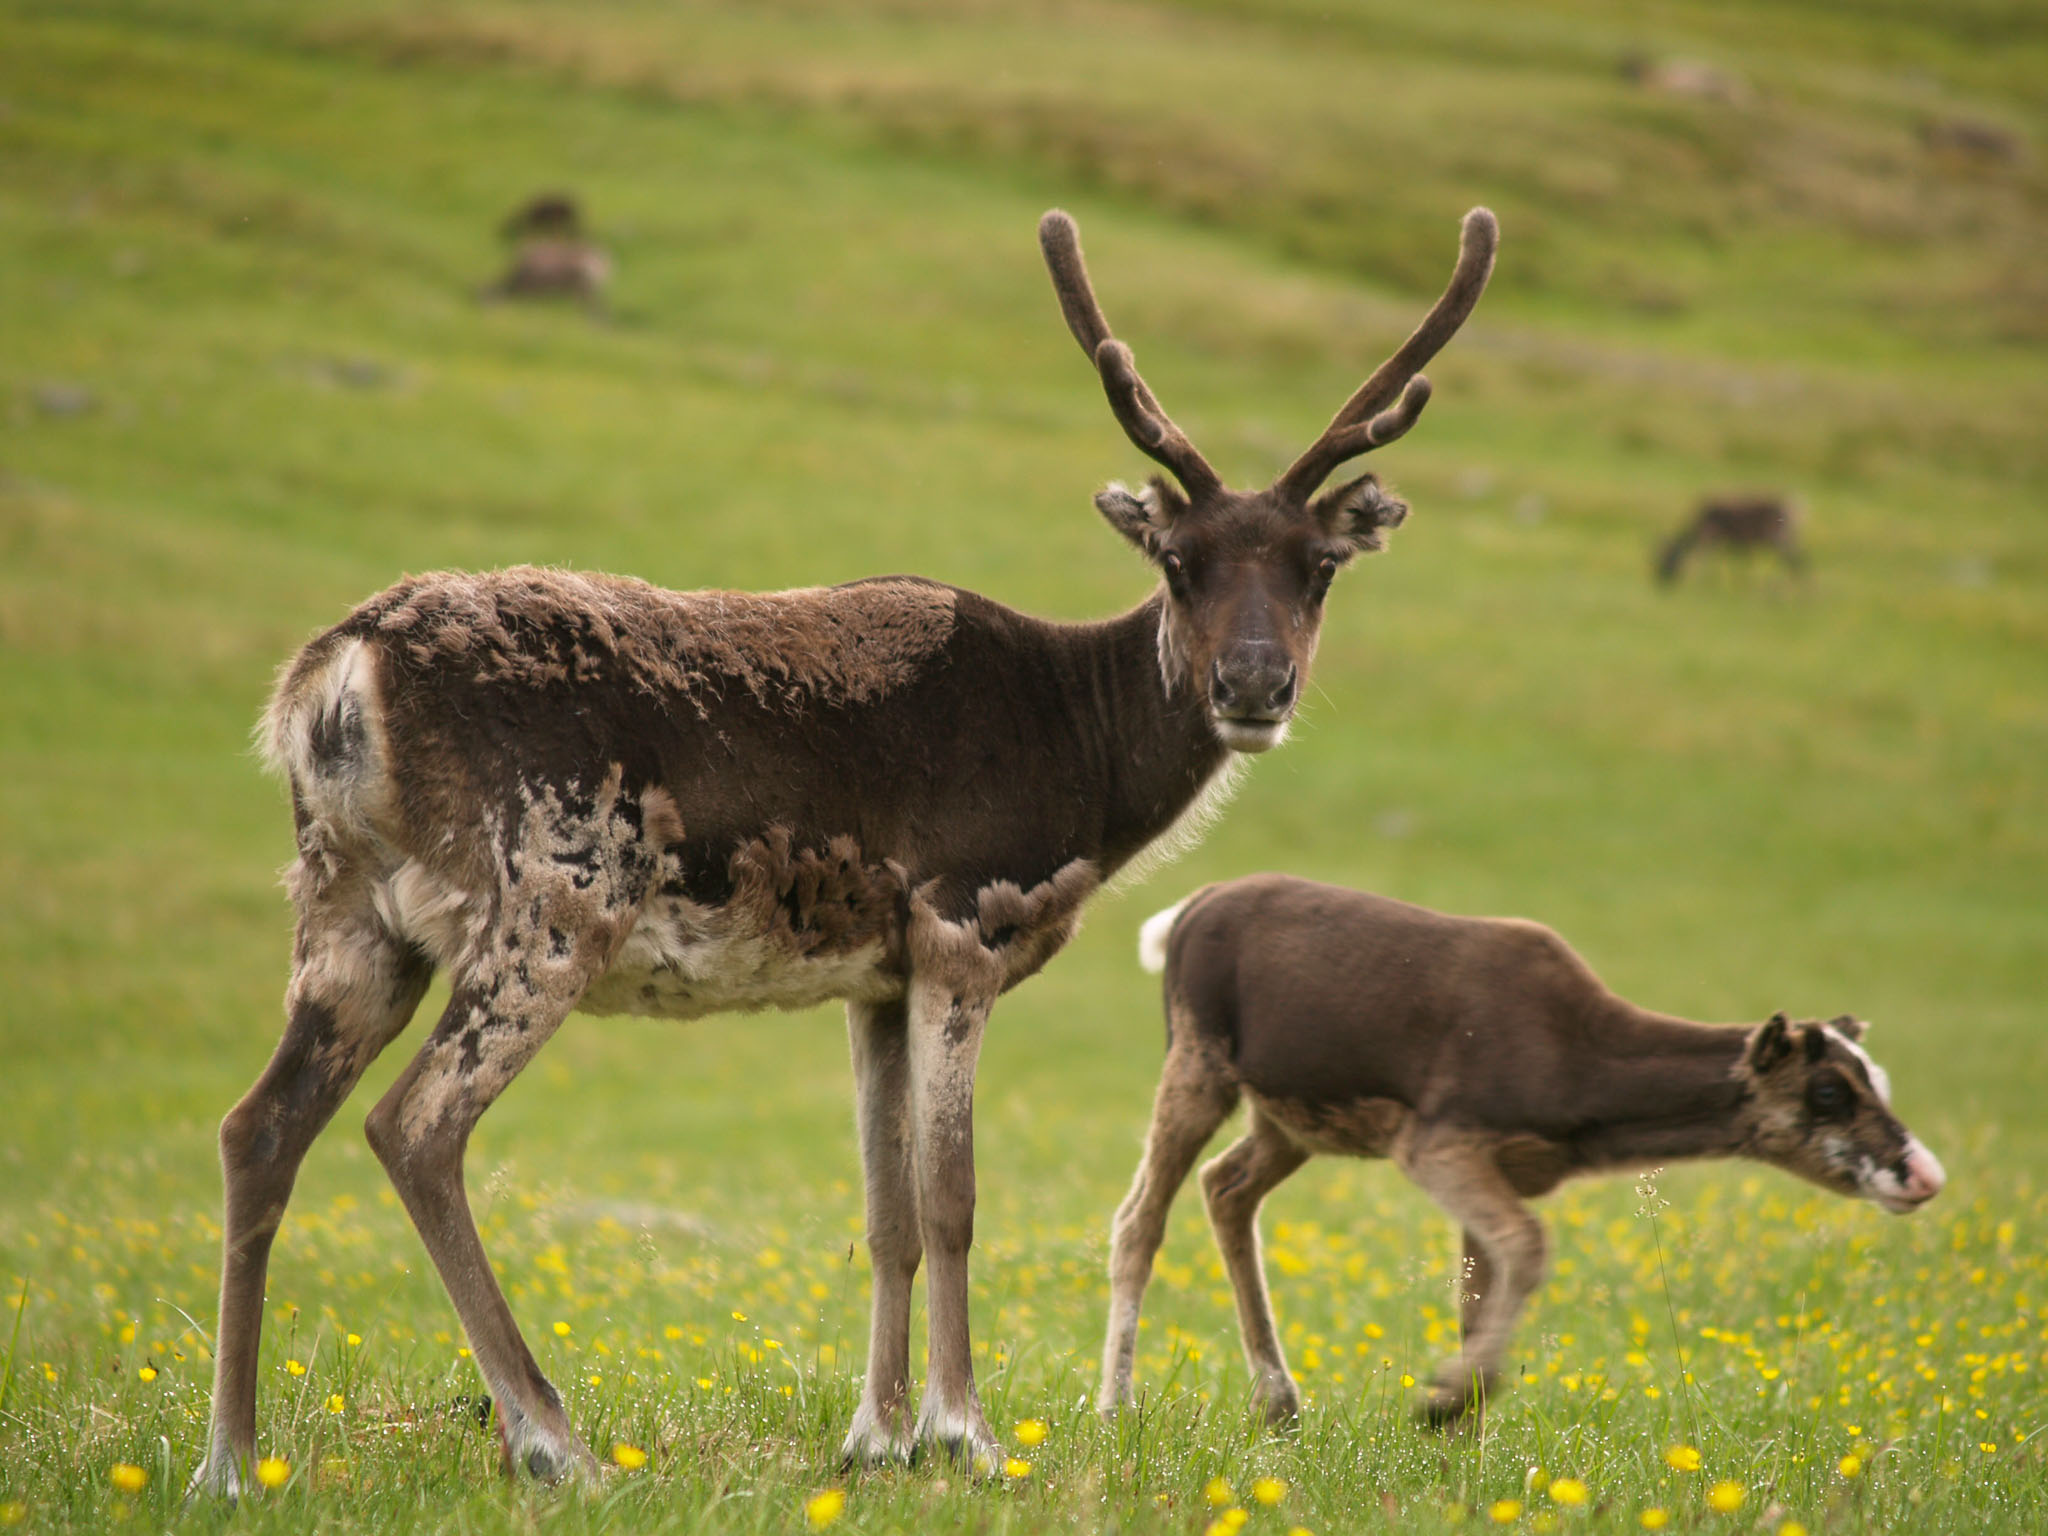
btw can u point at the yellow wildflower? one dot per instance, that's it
(1568, 1490)
(1726, 1497)
(13, 1512)
(1505, 1511)
(821, 1509)
(562, 1330)
(631, 1457)
(336, 1403)
(355, 1341)
(146, 1373)
(1653, 1519)
(1218, 1492)
(297, 1368)
(1016, 1467)
(273, 1471)
(1030, 1432)
(1269, 1491)
(1683, 1458)
(1850, 1465)
(1791, 1528)
(128, 1477)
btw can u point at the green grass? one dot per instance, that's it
(832, 353)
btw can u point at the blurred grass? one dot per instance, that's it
(832, 353)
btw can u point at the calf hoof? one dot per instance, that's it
(1280, 1406)
(546, 1458)
(1450, 1409)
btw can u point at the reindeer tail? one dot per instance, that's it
(1152, 937)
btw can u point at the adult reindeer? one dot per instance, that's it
(584, 792)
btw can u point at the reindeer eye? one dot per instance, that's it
(1829, 1096)
(1325, 573)
(1176, 572)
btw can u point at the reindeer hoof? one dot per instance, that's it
(965, 1440)
(1449, 1409)
(875, 1439)
(216, 1478)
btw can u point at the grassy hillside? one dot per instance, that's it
(245, 382)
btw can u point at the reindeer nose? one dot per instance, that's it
(1921, 1174)
(1258, 686)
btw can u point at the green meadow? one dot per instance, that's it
(245, 382)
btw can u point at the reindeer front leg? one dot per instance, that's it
(880, 1037)
(1463, 1178)
(947, 1014)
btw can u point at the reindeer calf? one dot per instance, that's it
(1488, 1061)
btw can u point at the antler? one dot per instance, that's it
(1368, 420)
(1137, 411)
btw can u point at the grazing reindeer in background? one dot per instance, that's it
(551, 255)
(577, 791)
(1484, 1058)
(1742, 524)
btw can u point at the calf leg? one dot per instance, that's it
(1235, 1185)
(353, 988)
(1464, 1179)
(1475, 1283)
(1193, 1099)
(880, 1037)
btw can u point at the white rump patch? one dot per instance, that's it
(1154, 933)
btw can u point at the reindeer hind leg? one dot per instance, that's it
(354, 987)
(1195, 1097)
(1235, 1185)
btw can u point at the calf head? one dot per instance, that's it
(1819, 1107)
(1246, 572)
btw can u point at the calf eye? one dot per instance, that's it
(1176, 573)
(1829, 1096)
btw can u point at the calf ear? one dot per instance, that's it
(1360, 512)
(1848, 1026)
(1815, 1039)
(1770, 1045)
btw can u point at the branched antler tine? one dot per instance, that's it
(1478, 239)
(1342, 443)
(1136, 409)
(1343, 439)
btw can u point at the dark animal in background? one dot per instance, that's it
(1740, 524)
(552, 257)
(579, 791)
(1484, 1058)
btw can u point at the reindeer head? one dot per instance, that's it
(1246, 572)
(1821, 1108)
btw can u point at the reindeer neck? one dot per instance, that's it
(1153, 750)
(1661, 1090)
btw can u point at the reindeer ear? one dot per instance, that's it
(1140, 516)
(1815, 1039)
(1361, 512)
(1848, 1026)
(1769, 1045)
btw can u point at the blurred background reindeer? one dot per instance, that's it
(1742, 525)
(552, 256)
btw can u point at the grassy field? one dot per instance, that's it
(244, 383)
